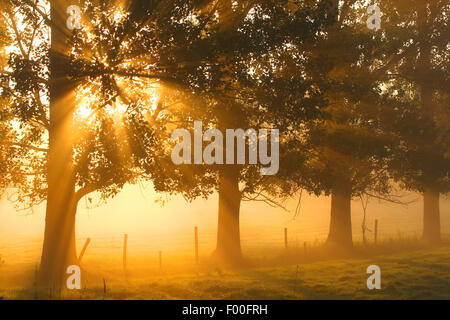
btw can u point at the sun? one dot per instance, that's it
(88, 101)
(84, 103)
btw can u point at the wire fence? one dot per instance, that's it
(261, 242)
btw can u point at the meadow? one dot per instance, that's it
(409, 270)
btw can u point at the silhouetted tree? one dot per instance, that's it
(416, 102)
(346, 151)
(247, 86)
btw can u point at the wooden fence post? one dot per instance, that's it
(125, 240)
(375, 234)
(88, 240)
(196, 244)
(285, 238)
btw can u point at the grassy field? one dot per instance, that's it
(416, 273)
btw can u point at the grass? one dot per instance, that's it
(408, 271)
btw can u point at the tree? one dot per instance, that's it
(346, 149)
(53, 161)
(416, 100)
(246, 85)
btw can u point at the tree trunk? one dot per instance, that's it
(431, 217)
(340, 234)
(59, 237)
(59, 249)
(228, 249)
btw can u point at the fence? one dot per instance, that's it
(195, 241)
(192, 246)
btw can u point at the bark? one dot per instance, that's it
(431, 217)
(59, 236)
(340, 223)
(228, 249)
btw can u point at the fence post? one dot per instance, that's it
(196, 244)
(88, 240)
(285, 238)
(125, 240)
(375, 234)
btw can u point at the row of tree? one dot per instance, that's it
(91, 109)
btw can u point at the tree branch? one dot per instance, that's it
(24, 145)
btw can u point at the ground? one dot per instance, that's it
(418, 273)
